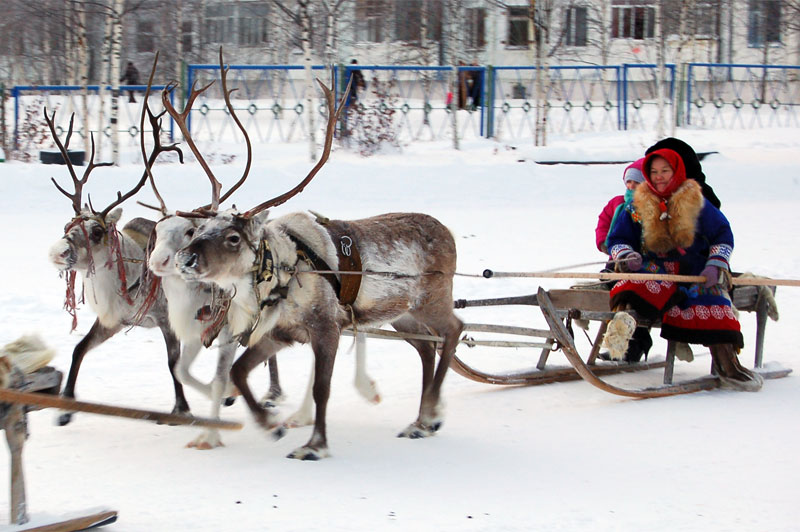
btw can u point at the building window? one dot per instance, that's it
(764, 22)
(706, 20)
(575, 26)
(144, 36)
(408, 20)
(186, 35)
(632, 20)
(476, 28)
(369, 20)
(518, 24)
(253, 24)
(702, 19)
(219, 23)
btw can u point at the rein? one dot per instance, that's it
(115, 257)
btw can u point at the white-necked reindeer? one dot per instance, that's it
(186, 298)
(407, 261)
(110, 263)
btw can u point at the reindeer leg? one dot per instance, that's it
(324, 345)
(96, 336)
(275, 393)
(441, 322)
(252, 357)
(210, 438)
(173, 356)
(189, 353)
(305, 414)
(363, 382)
(427, 354)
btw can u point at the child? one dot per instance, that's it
(641, 342)
(632, 176)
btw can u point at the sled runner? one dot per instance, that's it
(561, 307)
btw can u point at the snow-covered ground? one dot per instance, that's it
(559, 457)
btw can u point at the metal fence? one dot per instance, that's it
(421, 103)
(727, 96)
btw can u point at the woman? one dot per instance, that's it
(673, 229)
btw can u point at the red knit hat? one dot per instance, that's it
(675, 162)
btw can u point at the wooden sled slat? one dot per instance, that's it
(49, 401)
(568, 347)
(78, 523)
(535, 377)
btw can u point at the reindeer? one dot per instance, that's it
(303, 279)
(186, 300)
(110, 263)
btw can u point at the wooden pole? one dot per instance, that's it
(50, 401)
(737, 281)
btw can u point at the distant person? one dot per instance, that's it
(130, 77)
(356, 82)
(463, 87)
(476, 88)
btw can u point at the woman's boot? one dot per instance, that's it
(731, 372)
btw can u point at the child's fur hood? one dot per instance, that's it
(678, 229)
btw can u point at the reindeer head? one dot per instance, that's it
(230, 245)
(85, 241)
(223, 248)
(171, 234)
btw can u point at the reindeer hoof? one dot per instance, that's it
(307, 453)
(205, 442)
(228, 401)
(299, 419)
(64, 419)
(279, 433)
(417, 430)
(368, 390)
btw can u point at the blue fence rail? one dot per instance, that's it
(485, 101)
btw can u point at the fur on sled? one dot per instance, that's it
(27, 353)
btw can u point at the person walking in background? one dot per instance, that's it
(130, 77)
(476, 88)
(356, 82)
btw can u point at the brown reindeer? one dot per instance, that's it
(110, 263)
(304, 279)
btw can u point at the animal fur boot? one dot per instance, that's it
(618, 334)
(732, 374)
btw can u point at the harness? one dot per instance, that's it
(346, 288)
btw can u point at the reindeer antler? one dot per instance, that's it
(180, 119)
(333, 117)
(227, 93)
(76, 196)
(158, 149)
(155, 123)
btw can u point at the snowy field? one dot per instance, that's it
(559, 457)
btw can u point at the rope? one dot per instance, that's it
(550, 274)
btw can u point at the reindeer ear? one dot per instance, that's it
(114, 216)
(261, 218)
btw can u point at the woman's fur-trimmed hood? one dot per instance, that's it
(674, 229)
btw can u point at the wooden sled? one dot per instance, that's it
(39, 390)
(592, 305)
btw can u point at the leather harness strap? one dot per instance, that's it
(307, 254)
(349, 261)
